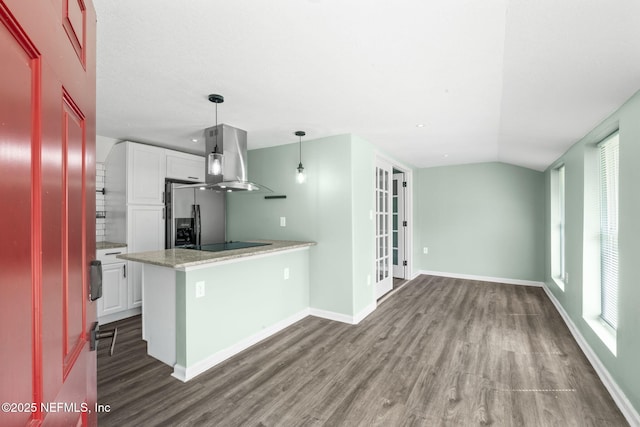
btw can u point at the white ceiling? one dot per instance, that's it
(517, 81)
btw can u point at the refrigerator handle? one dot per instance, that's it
(197, 224)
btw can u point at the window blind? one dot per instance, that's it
(609, 163)
(561, 225)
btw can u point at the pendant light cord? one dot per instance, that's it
(216, 149)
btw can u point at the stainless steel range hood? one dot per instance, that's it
(232, 143)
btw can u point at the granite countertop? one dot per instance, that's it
(181, 258)
(109, 245)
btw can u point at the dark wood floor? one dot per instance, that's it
(438, 352)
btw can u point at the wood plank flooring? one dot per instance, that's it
(440, 351)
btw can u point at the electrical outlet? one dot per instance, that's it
(283, 221)
(566, 278)
(370, 215)
(425, 250)
(368, 280)
(286, 273)
(199, 289)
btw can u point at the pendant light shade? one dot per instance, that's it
(215, 162)
(215, 159)
(300, 176)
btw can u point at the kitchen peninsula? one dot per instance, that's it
(200, 308)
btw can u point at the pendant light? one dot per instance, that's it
(301, 176)
(215, 159)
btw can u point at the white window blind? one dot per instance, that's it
(609, 161)
(561, 225)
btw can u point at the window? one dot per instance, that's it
(558, 265)
(609, 155)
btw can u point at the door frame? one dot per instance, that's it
(400, 270)
(408, 176)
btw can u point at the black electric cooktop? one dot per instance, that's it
(226, 246)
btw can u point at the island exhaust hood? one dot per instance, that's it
(232, 143)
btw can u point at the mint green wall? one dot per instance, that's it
(249, 295)
(624, 366)
(362, 203)
(482, 219)
(319, 210)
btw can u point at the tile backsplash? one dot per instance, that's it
(100, 209)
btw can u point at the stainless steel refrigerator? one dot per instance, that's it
(193, 216)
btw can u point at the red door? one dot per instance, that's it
(47, 197)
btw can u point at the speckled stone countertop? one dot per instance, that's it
(109, 245)
(184, 258)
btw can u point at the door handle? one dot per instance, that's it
(96, 335)
(124, 270)
(95, 280)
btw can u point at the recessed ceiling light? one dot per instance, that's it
(194, 140)
(445, 156)
(420, 125)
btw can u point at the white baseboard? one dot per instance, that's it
(359, 317)
(331, 315)
(627, 409)
(344, 318)
(484, 278)
(184, 373)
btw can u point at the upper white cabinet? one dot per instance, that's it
(183, 166)
(146, 167)
(134, 174)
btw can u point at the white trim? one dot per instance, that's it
(331, 315)
(214, 262)
(359, 317)
(184, 374)
(484, 278)
(344, 318)
(409, 177)
(627, 409)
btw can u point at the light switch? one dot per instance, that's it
(283, 221)
(286, 273)
(425, 250)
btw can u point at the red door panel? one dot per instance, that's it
(74, 225)
(15, 250)
(74, 24)
(47, 186)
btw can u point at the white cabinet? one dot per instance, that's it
(183, 166)
(146, 170)
(134, 197)
(145, 225)
(113, 304)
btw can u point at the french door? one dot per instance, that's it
(384, 278)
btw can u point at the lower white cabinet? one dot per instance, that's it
(114, 303)
(114, 289)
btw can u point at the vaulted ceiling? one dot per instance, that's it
(431, 83)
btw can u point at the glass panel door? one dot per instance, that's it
(384, 280)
